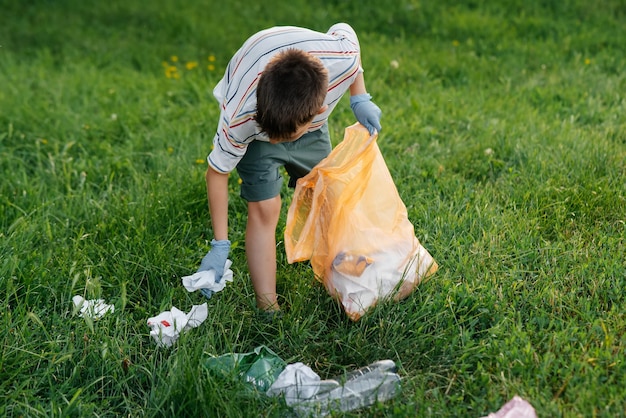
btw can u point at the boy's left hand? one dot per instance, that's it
(366, 112)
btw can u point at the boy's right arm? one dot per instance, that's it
(217, 193)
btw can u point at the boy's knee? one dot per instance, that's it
(265, 211)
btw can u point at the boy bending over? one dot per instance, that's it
(276, 96)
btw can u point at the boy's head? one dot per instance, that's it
(290, 92)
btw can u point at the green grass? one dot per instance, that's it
(504, 128)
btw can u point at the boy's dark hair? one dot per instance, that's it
(290, 93)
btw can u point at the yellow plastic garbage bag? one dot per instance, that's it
(348, 219)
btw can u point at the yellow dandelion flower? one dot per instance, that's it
(170, 150)
(211, 67)
(587, 61)
(191, 65)
(200, 161)
(171, 72)
(174, 58)
(455, 43)
(211, 58)
(239, 181)
(165, 64)
(44, 141)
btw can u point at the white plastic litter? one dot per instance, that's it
(297, 381)
(167, 326)
(93, 308)
(206, 279)
(515, 408)
(310, 396)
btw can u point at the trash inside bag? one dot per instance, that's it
(348, 219)
(260, 367)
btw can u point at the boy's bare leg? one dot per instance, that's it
(261, 250)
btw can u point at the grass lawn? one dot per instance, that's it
(504, 128)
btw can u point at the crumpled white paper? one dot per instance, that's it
(515, 408)
(93, 308)
(167, 326)
(297, 381)
(206, 279)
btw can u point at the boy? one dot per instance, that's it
(275, 97)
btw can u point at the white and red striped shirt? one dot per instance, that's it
(339, 51)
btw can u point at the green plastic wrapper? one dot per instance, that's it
(260, 367)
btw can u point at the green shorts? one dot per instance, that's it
(259, 169)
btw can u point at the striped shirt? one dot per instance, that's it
(339, 51)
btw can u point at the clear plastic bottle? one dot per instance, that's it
(381, 365)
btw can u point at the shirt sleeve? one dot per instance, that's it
(343, 30)
(236, 125)
(226, 153)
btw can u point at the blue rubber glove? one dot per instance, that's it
(366, 112)
(215, 260)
